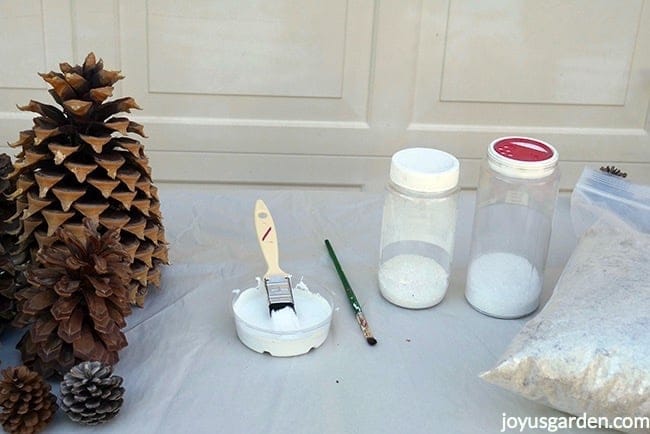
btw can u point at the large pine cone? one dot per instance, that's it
(79, 161)
(77, 303)
(26, 401)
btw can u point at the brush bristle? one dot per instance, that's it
(279, 306)
(279, 292)
(371, 341)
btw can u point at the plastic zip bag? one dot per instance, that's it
(601, 196)
(588, 350)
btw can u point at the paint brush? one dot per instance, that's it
(361, 318)
(279, 290)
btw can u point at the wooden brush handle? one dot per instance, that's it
(267, 238)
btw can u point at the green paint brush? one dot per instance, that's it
(361, 318)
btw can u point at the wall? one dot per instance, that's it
(319, 94)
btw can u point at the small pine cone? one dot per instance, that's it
(26, 401)
(90, 394)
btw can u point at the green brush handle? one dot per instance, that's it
(344, 280)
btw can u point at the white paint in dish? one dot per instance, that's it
(284, 333)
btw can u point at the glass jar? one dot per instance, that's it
(515, 201)
(418, 225)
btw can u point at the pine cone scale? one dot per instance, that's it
(39, 302)
(43, 328)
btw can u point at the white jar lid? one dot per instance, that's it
(522, 157)
(425, 170)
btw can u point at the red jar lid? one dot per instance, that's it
(522, 157)
(523, 149)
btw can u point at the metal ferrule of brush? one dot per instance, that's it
(279, 292)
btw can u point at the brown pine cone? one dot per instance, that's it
(81, 159)
(77, 302)
(13, 255)
(26, 401)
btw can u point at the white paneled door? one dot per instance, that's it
(319, 94)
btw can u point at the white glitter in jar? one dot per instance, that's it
(503, 285)
(413, 281)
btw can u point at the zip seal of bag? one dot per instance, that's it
(599, 195)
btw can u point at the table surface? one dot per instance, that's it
(186, 371)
